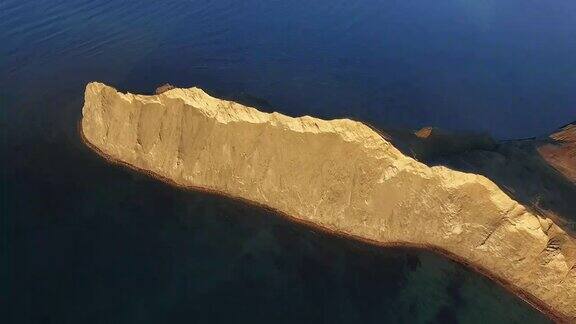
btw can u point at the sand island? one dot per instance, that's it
(340, 176)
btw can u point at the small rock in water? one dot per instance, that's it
(163, 88)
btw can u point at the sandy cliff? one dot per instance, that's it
(339, 175)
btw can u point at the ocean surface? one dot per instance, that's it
(87, 242)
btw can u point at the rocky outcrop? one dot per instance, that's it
(560, 151)
(163, 88)
(431, 144)
(339, 175)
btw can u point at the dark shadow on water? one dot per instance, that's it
(514, 165)
(92, 242)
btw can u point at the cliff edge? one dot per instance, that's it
(339, 175)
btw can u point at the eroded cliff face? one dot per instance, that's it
(340, 175)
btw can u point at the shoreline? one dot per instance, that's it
(525, 296)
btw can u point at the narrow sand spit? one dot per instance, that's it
(339, 176)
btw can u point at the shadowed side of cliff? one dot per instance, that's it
(539, 172)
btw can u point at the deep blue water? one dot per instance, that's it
(83, 241)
